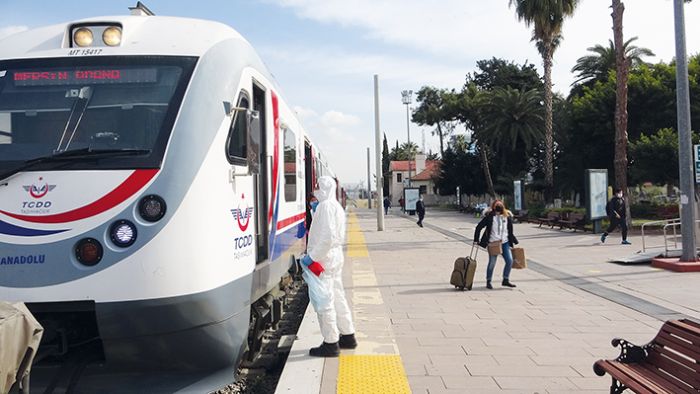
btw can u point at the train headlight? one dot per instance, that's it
(88, 251)
(152, 208)
(123, 233)
(82, 37)
(112, 36)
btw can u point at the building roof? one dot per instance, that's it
(432, 171)
(401, 165)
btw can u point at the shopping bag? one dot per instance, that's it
(519, 261)
(495, 248)
(319, 292)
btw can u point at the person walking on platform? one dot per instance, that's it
(498, 239)
(326, 238)
(420, 210)
(617, 213)
(387, 205)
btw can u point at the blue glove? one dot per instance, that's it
(314, 204)
(306, 260)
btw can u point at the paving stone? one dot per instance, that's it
(424, 383)
(593, 383)
(534, 383)
(522, 370)
(469, 382)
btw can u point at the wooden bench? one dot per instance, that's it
(670, 363)
(521, 216)
(552, 219)
(667, 213)
(576, 220)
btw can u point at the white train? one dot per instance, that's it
(153, 188)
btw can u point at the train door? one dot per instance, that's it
(308, 178)
(258, 139)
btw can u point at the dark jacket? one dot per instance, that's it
(420, 207)
(387, 203)
(487, 223)
(616, 204)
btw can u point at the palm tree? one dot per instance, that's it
(622, 68)
(511, 116)
(404, 152)
(547, 18)
(595, 67)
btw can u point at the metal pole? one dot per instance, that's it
(408, 132)
(369, 184)
(685, 162)
(378, 158)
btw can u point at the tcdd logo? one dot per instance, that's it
(242, 215)
(39, 189)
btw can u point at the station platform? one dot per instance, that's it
(417, 334)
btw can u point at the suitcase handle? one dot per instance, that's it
(472, 251)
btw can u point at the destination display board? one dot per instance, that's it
(60, 77)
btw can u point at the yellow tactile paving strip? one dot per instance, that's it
(356, 240)
(371, 374)
(370, 369)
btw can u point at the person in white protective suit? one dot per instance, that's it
(326, 238)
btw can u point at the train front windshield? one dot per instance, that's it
(114, 104)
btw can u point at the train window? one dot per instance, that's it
(101, 103)
(5, 128)
(290, 165)
(236, 143)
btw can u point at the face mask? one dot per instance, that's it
(314, 204)
(499, 209)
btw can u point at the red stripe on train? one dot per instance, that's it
(119, 194)
(286, 222)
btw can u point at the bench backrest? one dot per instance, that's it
(553, 215)
(576, 216)
(675, 353)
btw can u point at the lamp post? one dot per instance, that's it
(687, 184)
(406, 99)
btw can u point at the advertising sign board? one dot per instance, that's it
(411, 196)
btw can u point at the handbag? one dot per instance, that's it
(495, 248)
(519, 261)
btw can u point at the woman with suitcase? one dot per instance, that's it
(498, 239)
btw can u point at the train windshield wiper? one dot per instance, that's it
(74, 154)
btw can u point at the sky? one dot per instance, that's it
(324, 53)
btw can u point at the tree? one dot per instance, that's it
(460, 167)
(622, 65)
(386, 164)
(547, 18)
(511, 116)
(467, 107)
(654, 158)
(404, 152)
(597, 66)
(432, 111)
(499, 73)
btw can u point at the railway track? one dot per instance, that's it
(261, 374)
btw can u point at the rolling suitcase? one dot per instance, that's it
(463, 273)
